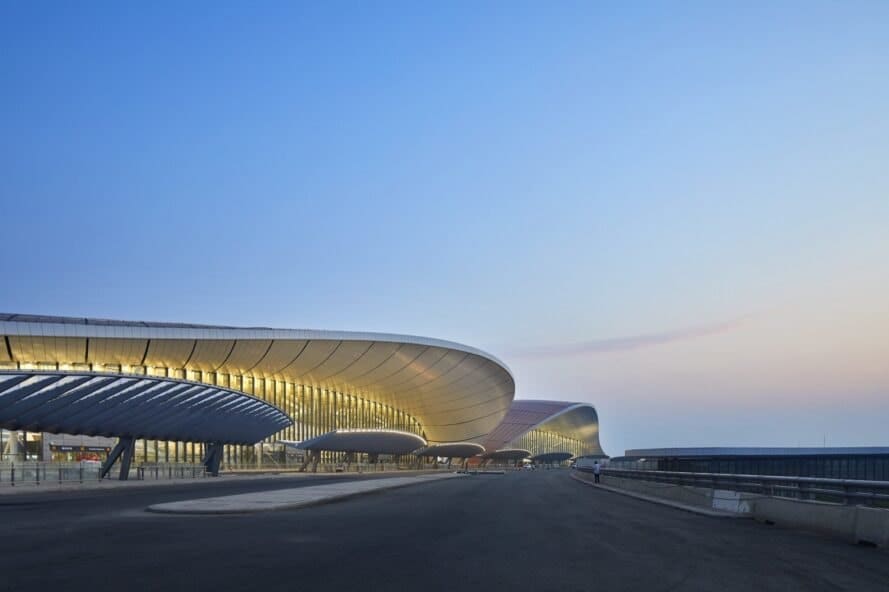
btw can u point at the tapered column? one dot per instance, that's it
(213, 458)
(124, 449)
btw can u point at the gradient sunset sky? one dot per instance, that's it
(678, 212)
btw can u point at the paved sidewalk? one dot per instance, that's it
(285, 499)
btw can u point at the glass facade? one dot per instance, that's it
(541, 442)
(20, 446)
(314, 411)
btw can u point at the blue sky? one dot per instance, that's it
(554, 183)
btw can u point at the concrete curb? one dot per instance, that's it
(265, 501)
(656, 500)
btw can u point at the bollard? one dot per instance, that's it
(12, 474)
(81, 472)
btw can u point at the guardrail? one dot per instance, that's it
(844, 491)
(162, 471)
(35, 473)
(43, 473)
(330, 468)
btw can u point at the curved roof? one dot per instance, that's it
(508, 454)
(456, 392)
(372, 441)
(138, 406)
(574, 420)
(452, 449)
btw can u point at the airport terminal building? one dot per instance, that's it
(546, 431)
(168, 393)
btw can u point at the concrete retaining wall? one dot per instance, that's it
(856, 524)
(693, 496)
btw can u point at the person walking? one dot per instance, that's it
(596, 471)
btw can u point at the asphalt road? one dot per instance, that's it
(519, 531)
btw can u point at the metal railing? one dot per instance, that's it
(56, 473)
(330, 468)
(167, 471)
(36, 473)
(844, 491)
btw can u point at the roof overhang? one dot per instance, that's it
(137, 406)
(452, 450)
(508, 454)
(578, 421)
(455, 392)
(370, 441)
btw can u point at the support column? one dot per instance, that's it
(312, 458)
(213, 458)
(306, 460)
(125, 449)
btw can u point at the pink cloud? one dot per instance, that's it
(632, 342)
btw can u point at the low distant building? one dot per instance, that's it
(868, 463)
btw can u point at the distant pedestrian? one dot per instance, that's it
(596, 471)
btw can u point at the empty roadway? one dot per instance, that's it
(518, 531)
